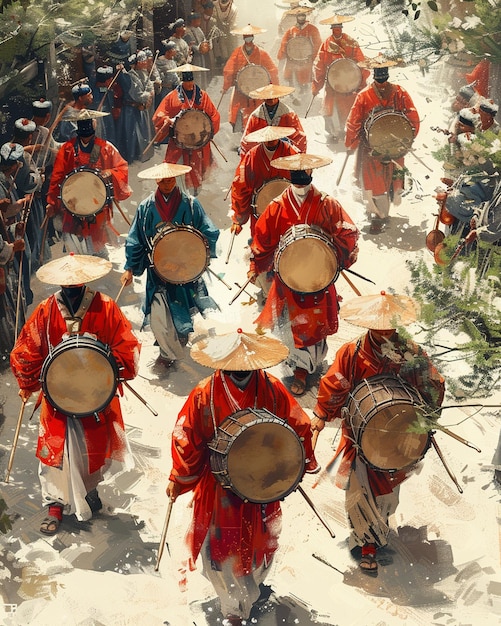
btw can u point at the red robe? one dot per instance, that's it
(43, 330)
(243, 530)
(345, 47)
(201, 159)
(377, 176)
(239, 59)
(313, 316)
(252, 172)
(350, 367)
(300, 70)
(68, 159)
(284, 116)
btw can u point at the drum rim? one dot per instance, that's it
(358, 439)
(173, 228)
(212, 445)
(108, 188)
(182, 113)
(94, 344)
(245, 67)
(378, 115)
(265, 184)
(354, 64)
(318, 230)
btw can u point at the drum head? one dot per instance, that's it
(84, 193)
(257, 455)
(306, 263)
(299, 49)
(252, 77)
(180, 254)
(193, 129)
(268, 192)
(344, 76)
(79, 380)
(390, 135)
(387, 443)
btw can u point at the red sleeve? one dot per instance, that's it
(113, 161)
(64, 163)
(335, 385)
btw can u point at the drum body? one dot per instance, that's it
(79, 376)
(252, 77)
(269, 190)
(299, 49)
(84, 193)
(180, 254)
(389, 134)
(306, 260)
(193, 129)
(344, 76)
(381, 411)
(257, 455)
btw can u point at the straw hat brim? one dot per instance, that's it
(301, 161)
(299, 11)
(84, 114)
(73, 269)
(248, 30)
(188, 67)
(271, 91)
(376, 62)
(337, 19)
(239, 351)
(380, 312)
(164, 170)
(270, 133)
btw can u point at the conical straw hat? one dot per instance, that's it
(380, 312)
(164, 170)
(271, 91)
(188, 67)
(300, 161)
(239, 351)
(379, 61)
(269, 133)
(83, 114)
(337, 19)
(299, 10)
(248, 30)
(73, 269)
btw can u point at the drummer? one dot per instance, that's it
(168, 307)
(304, 319)
(87, 236)
(382, 182)
(74, 453)
(372, 495)
(338, 45)
(188, 96)
(298, 48)
(236, 540)
(82, 99)
(273, 112)
(241, 106)
(254, 170)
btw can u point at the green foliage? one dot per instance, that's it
(453, 298)
(5, 521)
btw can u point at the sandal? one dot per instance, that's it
(50, 525)
(298, 386)
(368, 564)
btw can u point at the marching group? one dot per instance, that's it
(301, 240)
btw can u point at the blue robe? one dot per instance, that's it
(182, 299)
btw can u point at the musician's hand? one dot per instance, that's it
(173, 490)
(126, 278)
(4, 204)
(317, 424)
(441, 197)
(19, 230)
(24, 394)
(251, 275)
(353, 256)
(19, 245)
(236, 228)
(105, 174)
(314, 90)
(50, 210)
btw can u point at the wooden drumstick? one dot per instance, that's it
(215, 146)
(343, 167)
(240, 291)
(151, 409)
(350, 283)
(115, 202)
(164, 535)
(230, 247)
(157, 135)
(120, 293)
(309, 501)
(14, 441)
(220, 100)
(448, 470)
(309, 106)
(219, 278)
